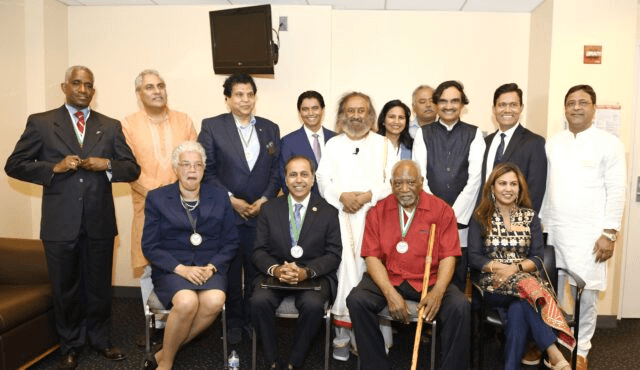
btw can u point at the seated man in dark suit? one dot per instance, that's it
(395, 248)
(309, 139)
(297, 239)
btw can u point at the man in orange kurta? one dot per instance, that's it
(152, 133)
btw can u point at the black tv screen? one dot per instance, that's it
(241, 40)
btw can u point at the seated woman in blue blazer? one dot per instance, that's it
(190, 238)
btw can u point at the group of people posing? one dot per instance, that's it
(353, 218)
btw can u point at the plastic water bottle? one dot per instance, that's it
(234, 361)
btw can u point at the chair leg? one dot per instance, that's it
(481, 342)
(434, 329)
(327, 338)
(224, 337)
(576, 332)
(253, 349)
(149, 319)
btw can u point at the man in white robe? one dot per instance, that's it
(353, 175)
(584, 203)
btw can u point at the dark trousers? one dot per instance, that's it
(460, 274)
(522, 323)
(310, 306)
(237, 305)
(366, 300)
(80, 274)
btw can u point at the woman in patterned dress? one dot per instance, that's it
(505, 251)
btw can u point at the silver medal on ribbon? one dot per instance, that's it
(296, 251)
(195, 239)
(402, 247)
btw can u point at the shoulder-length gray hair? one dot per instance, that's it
(187, 146)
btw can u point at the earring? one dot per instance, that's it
(493, 197)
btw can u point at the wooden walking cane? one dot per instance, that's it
(425, 287)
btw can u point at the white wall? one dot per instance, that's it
(388, 53)
(382, 53)
(379, 53)
(33, 40)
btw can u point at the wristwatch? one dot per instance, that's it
(610, 236)
(108, 165)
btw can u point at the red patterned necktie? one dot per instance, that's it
(80, 123)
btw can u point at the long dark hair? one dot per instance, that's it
(405, 138)
(487, 206)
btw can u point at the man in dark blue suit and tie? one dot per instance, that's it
(514, 143)
(297, 239)
(242, 158)
(309, 140)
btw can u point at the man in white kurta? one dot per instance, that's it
(353, 175)
(584, 202)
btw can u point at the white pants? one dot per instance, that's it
(146, 287)
(588, 313)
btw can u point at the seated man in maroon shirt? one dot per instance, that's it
(395, 245)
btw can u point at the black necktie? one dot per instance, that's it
(500, 151)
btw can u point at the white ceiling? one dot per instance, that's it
(451, 5)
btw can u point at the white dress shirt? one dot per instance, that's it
(493, 148)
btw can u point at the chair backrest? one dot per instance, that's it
(550, 265)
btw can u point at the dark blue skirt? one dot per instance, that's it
(166, 285)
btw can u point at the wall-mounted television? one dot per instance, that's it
(241, 40)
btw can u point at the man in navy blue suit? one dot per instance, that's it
(514, 143)
(242, 158)
(519, 145)
(297, 239)
(309, 139)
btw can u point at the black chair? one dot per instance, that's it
(413, 317)
(491, 317)
(287, 310)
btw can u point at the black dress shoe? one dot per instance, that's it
(68, 361)
(112, 353)
(150, 363)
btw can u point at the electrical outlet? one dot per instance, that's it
(284, 25)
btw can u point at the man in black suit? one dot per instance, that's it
(514, 143)
(75, 153)
(242, 158)
(297, 239)
(308, 140)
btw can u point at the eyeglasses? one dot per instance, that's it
(188, 165)
(399, 183)
(581, 103)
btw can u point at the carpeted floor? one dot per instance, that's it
(613, 349)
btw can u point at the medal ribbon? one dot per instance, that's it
(192, 221)
(404, 228)
(295, 228)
